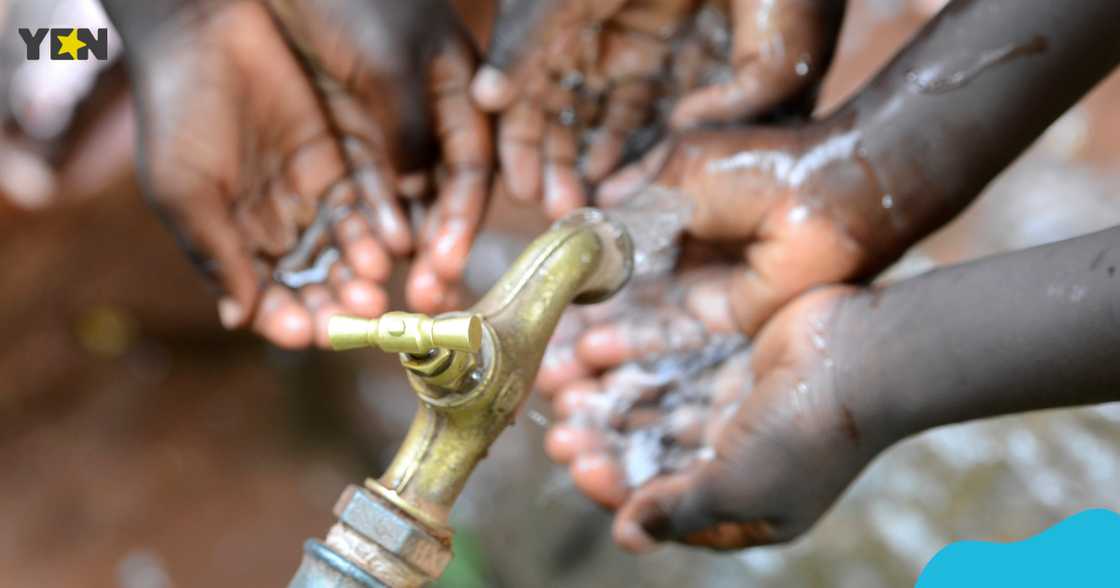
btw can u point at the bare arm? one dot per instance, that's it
(1034, 329)
(980, 83)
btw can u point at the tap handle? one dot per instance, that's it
(407, 332)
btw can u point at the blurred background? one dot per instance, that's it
(142, 446)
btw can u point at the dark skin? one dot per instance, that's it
(619, 50)
(256, 116)
(842, 373)
(840, 199)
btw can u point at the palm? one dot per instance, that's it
(583, 79)
(393, 78)
(238, 166)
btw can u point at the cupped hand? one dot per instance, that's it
(773, 445)
(780, 52)
(575, 81)
(800, 204)
(262, 143)
(394, 78)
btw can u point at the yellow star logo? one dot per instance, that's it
(70, 44)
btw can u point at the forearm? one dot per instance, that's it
(139, 22)
(1029, 330)
(967, 96)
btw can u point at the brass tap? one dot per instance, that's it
(471, 372)
(406, 332)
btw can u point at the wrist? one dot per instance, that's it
(865, 376)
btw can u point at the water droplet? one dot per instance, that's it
(537, 418)
(571, 80)
(568, 117)
(798, 214)
(819, 342)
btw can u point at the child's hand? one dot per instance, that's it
(394, 77)
(255, 152)
(800, 204)
(559, 69)
(782, 445)
(780, 52)
(575, 80)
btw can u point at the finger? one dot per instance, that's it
(639, 418)
(424, 291)
(356, 295)
(678, 508)
(601, 478)
(563, 190)
(640, 336)
(518, 30)
(520, 134)
(766, 76)
(707, 301)
(376, 183)
(732, 384)
(281, 319)
(803, 251)
(413, 186)
(217, 245)
(628, 108)
(745, 96)
(27, 181)
(492, 89)
(362, 251)
(559, 367)
(464, 135)
(565, 443)
(311, 171)
(685, 425)
(319, 302)
(575, 399)
(627, 182)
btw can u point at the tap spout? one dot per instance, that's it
(583, 258)
(471, 372)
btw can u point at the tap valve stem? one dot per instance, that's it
(406, 332)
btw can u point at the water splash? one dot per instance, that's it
(679, 389)
(311, 260)
(656, 219)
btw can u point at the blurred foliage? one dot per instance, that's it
(469, 568)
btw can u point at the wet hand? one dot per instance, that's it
(780, 52)
(574, 81)
(395, 78)
(248, 147)
(773, 447)
(563, 73)
(799, 206)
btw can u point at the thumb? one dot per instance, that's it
(667, 508)
(799, 251)
(516, 28)
(213, 242)
(683, 508)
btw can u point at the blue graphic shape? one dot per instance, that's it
(1082, 551)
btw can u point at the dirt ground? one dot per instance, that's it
(141, 446)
